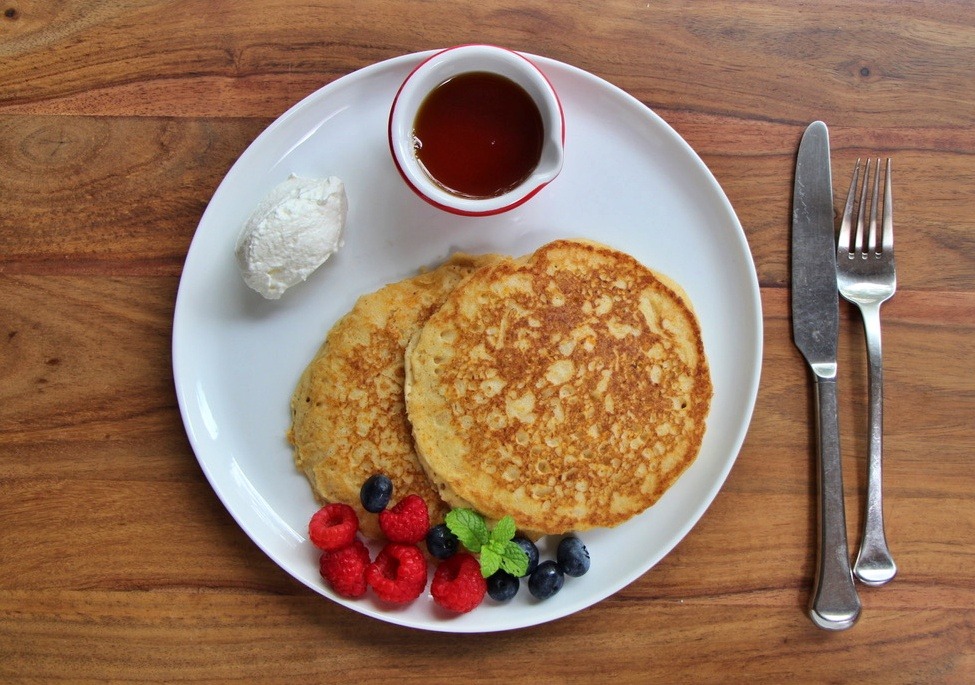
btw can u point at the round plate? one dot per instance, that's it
(629, 181)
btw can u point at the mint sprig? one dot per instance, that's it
(495, 548)
(469, 527)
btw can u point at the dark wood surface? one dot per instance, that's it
(118, 120)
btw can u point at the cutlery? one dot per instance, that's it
(865, 276)
(815, 325)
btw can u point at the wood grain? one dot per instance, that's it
(118, 119)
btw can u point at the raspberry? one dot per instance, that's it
(407, 522)
(398, 574)
(345, 569)
(333, 527)
(458, 584)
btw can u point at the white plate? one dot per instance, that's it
(629, 180)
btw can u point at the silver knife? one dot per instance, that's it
(815, 324)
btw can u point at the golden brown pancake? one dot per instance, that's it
(348, 414)
(568, 388)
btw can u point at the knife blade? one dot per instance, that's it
(815, 326)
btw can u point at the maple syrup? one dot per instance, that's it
(478, 135)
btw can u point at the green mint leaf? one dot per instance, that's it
(504, 530)
(469, 527)
(490, 560)
(513, 559)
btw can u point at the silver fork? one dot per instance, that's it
(865, 276)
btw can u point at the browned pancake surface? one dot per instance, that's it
(568, 389)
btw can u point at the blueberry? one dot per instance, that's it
(573, 557)
(441, 543)
(531, 550)
(375, 493)
(502, 586)
(546, 580)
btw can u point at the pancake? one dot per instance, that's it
(568, 388)
(348, 414)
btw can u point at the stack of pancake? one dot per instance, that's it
(567, 388)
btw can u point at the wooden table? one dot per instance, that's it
(119, 119)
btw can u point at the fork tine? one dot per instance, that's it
(874, 205)
(887, 244)
(843, 242)
(859, 238)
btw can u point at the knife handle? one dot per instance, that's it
(835, 604)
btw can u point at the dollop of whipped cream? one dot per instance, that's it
(294, 229)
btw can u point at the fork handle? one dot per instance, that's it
(874, 563)
(835, 604)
